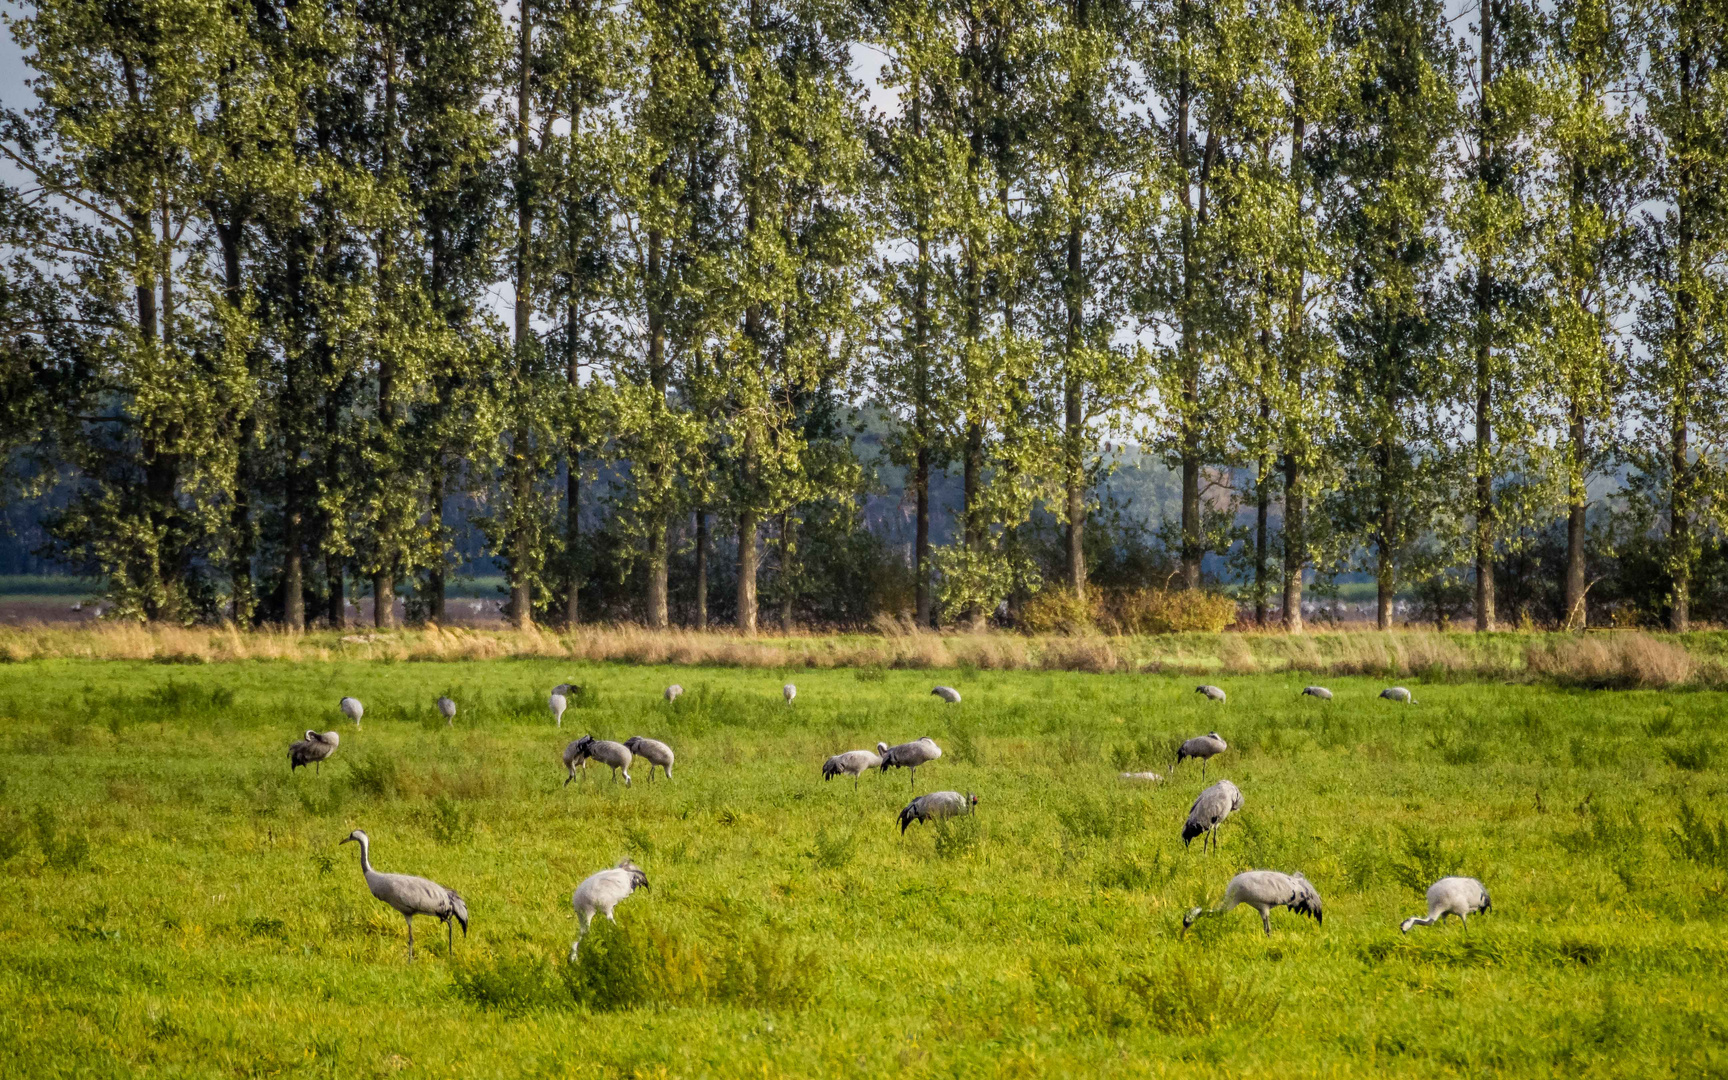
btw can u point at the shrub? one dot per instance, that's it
(1141, 755)
(1425, 862)
(1057, 611)
(63, 853)
(759, 971)
(515, 983)
(1694, 756)
(1088, 818)
(447, 823)
(832, 850)
(1130, 872)
(963, 745)
(1180, 1000)
(1170, 611)
(957, 837)
(609, 973)
(377, 775)
(1699, 839)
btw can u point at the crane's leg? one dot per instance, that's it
(450, 942)
(410, 919)
(1266, 920)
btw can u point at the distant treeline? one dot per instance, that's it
(1442, 301)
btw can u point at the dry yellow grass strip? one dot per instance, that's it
(1626, 659)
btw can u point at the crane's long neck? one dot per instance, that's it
(366, 857)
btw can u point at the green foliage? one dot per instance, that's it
(448, 823)
(1426, 860)
(376, 774)
(64, 852)
(957, 837)
(515, 983)
(1694, 756)
(833, 850)
(1697, 838)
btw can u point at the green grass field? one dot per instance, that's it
(177, 903)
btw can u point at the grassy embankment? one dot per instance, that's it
(177, 902)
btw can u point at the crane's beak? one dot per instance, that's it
(345, 840)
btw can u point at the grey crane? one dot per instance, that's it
(448, 708)
(312, 750)
(789, 692)
(602, 892)
(948, 694)
(673, 692)
(1399, 694)
(853, 763)
(568, 689)
(1148, 777)
(1205, 747)
(352, 709)
(557, 703)
(1317, 691)
(1210, 809)
(411, 895)
(654, 752)
(935, 806)
(1212, 693)
(1460, 896)
(615, 754)
(909, 755)
(1264, 890)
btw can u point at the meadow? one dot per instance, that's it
(177, 904)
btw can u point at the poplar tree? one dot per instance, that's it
(1585, 234)
(1680, 373)
(1390, 147)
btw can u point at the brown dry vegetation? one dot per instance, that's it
(1621, 659)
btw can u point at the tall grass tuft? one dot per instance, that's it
(377, 775)
(514, 983)
(64, 853)
(1425, 861)
(1700, 839)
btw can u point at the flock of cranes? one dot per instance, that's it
(601, 892)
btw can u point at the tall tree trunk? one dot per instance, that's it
(1489, 175)
(1680, 411)
(1295, 557)
(1575, 616)
(1073, 391)
(336, 607)
(701, 570)
(1262, 492)
(658, 525)
(435, 583)
(293, 504)
(786, 592)
(384, 572)
(1385, 574)
(573, 477)
(1295, 493)
(1189, 435)
(522, 482)
(748, 560)
(1680, 515)
(229, 229)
